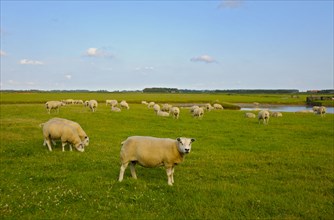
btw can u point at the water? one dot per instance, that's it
(283, 108)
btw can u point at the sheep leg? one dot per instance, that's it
(48, 142)
(121, 172)
(132, 168)
(169, 171)
(63, 146)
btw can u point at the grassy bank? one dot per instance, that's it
(237, 168)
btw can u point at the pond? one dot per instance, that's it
(281, 108)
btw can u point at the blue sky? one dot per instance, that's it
(129, 45)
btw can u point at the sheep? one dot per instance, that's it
(124, 104)
(192, 109)
(264, 115)
(153, 152)
(53, 105)
(156, 108)
(276, 114)
(82, 134)
(166, 107)
(108, 101)
(150, 105)
(112, 103)
(198, 112)
(321, 111)
(78, 101)
(175, 112)
(92, 104)
(144, 103)
(315, 108)
(115, 109)
(162, 114)
(249, 115)
(208, 107)
(54, 130)
(217, 106)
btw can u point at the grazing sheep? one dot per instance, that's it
(153, 152)
(124, 104)
(150, 105)
(55, 130)
(53, 105)
(156, 108)
(78, 102)
(115, 109)
(321, 111)
(217, 106)
(208, 107)
(82, 134)
(162, 114)
(144, 103)
(166, 107)
(192, 108)
(68, 101)
(113, 103)
(276, 114)
(249, 115)
(175, 112)
(315, 108)
(198, 112)
(92, 104)
(264, 115)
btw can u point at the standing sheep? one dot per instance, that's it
(264, 115)
(156, 108)
(198, 112)
(92, 104)
(150, 104)
(82, 134)
(153, 152)
(53, 105)
(217, 106)
(321, 111)
(55, 130)
(124, 104)
(175, 112)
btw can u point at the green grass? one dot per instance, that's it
(237, 168)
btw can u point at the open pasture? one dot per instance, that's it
(237, 168)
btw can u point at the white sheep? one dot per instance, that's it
(92, 104)
(249, 115)
(315, 109)
(55, 130)
(192, 108)
(150, 104)
(153, 152)
(175, 112)
(53, 105)
(124, 104)
(198, 112)
(321, 111)
(82, 134)
(276, 114)
(208, 107)
(166, 107)
(156, 108)
(115, 109)
(108, 101)
(144, 102)
(264, 116)
(217, 106)
(113, 103)
(78, 101)
(162, 114)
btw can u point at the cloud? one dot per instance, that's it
(203, 58)
(230, 4)
(68, 76)
(2, 53)
(30, 62)
(95, 52)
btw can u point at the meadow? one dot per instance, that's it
(237, 169)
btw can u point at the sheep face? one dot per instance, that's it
(86, 141)
(80, 147)
(184, 144)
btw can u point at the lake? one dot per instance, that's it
(281, 108)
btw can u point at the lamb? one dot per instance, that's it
(175, 112)
(156, 108)
(124, 104)
(276, 114)
(153, 152)
(217, 106)
(66, 133)
(115, 109)
(92, 105)
(264, 115)
(162, 114)
(53, 105)
(82, 134)
(198, 112)
(249, 115)
(321, 111)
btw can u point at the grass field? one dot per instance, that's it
(238, 169)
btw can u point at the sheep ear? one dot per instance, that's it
(178, 139)
(192, 140)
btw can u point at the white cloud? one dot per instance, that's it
(95, 52)
(204, 58)
(68, 76)
(30, 62)
(2, 53)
